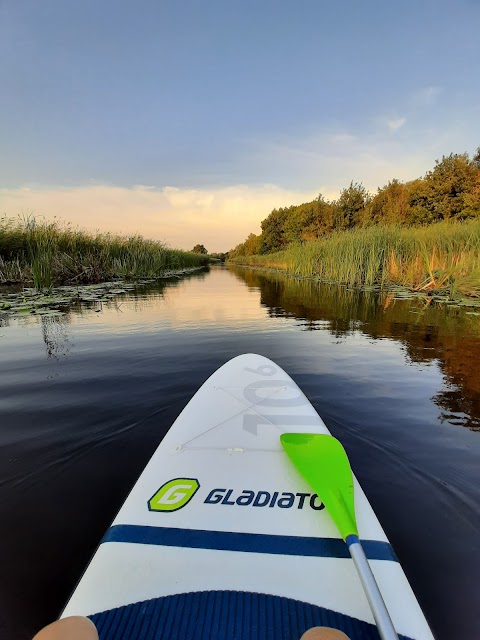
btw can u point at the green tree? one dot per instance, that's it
(273, 231)
(297, 218)
(250, 247)
(199, 248)
(451, 188)
(252, 244)
(309, 220)
(450, 191)
(476, 158)
(325, 216)
(390, 204)
(218, 256)
(419, 198)
(350, 205)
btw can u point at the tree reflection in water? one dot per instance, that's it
(429, 332)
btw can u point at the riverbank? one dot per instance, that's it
(46, 254)
(441, 259)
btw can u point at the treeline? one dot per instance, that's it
(451, 191)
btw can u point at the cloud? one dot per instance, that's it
(396, 123)
(327, 160)
(323, 160)
(218, 218)
(342, 138)
(427, 96)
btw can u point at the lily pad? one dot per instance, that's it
(51, 313)
(23, 310)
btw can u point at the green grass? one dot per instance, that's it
(48, 253)
(443, 256)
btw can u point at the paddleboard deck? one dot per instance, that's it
(221, 538)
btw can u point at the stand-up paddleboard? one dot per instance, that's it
(221, 538)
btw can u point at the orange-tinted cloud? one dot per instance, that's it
(218, 218)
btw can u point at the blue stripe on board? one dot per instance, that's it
(223, 615)
(246, 542)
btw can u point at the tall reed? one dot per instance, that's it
(47, 253)
(443, 256)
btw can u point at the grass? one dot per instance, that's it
(441, 257)
(48, 253)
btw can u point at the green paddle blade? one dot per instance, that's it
(323, 463)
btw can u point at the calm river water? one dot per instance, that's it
(86, 398)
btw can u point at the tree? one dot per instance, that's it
(308, 221)
(476, 158)
(250, 247)
(273, 231)
(350, 205)
(199, 248)
(295, 222)
(221, 256)
(450, 191)
(450, 187)
(419, 209)
(390, 204)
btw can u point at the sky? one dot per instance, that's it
(190, 121)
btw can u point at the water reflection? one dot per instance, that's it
(447, 336)
(429, 333)
(87, 396)
(55, 336)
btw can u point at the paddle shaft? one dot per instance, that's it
(323, 463)
(377, 605)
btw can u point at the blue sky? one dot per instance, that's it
(232, 107)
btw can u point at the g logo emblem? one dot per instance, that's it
(174, 494)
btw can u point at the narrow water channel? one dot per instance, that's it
(86, 397)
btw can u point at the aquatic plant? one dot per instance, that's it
(443, 256)
(48, 253)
